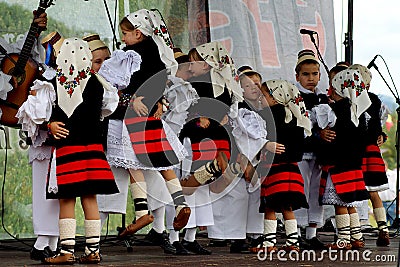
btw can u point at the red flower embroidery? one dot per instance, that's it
(82, 74)
(63, 79)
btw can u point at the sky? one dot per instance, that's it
(376, 30)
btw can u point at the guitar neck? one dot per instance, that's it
(25, 53)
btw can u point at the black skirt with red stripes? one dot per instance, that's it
(349, 184)
(373, 168)
(82, 170)
(206, 142)
(283, 188)
(150, 142)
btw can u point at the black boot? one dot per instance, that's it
(239, 246)
(195, 247)
(162, 240)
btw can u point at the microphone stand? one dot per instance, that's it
(396, 221)
(319, 54)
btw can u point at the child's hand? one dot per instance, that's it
(204, 122)
(275, 147)
(380, 140)
(139, 107)
(327, 135)
(224, 120)
(159, 111)
(57, 129)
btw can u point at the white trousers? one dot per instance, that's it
(311, 173)
(45, 212)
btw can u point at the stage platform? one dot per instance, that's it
(142, 253)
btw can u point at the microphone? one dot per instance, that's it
(372, 63)
(305, 31)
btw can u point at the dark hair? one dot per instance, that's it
(125, 23)
(264, 87)
(248, 71)
(243, 68)
(342, 65)
(195, 55)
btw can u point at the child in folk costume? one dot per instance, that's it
(342, 183)
(118, 70)
(180, 96)
(373, 165)
(249, 133)
(81, 166)
(282, 189)
(154, 143)
(308, 76)
(214, 80)
(34, 115)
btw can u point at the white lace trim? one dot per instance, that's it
(121, 154)
(330, 196)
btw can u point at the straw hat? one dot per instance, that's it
(94, 42)
(248, 71)
(55, 40)
(306, 54)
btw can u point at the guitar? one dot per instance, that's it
(24, 69)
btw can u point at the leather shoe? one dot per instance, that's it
(40, 255)
(162, 240)
(239, 246)
(195, 247)
(180, 250)
(181, 218)
(61, 258)
(383, 239)
(91, 258)
(136, 225)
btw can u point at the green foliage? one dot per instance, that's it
(175, 16)
(16, 20)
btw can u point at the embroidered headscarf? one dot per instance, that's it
(287, 94)
(73, 72)
(151, 24)
(349, 84)
(365, 74)
(223, 71)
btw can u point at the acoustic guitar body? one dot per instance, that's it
(18, 95)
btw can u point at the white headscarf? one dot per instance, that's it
(349, 84)
(223, 71)
(73, 72)
(365, 74)
(287, 94)
(151, 24)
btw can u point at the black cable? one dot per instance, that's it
(319, 53)
(2, 191)
(115, 42)
(390, 75)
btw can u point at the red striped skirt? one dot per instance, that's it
(349, 184)
(83, 170)
(150, 142)
(373, 168)
(206, 150)
(283, 188)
